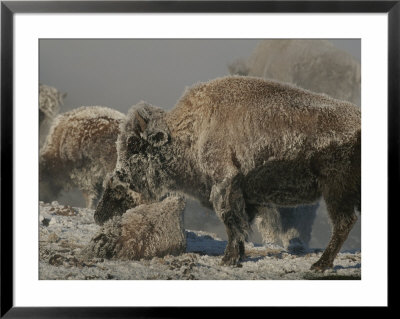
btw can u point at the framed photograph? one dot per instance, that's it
(139, 188)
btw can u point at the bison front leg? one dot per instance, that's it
(228, 202)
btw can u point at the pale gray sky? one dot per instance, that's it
(118, 73)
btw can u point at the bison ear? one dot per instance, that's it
(148, 124)
(141, 116)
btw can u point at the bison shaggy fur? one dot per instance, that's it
(79, 151)
(239, 144)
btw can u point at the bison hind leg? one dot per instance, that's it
(343, 217)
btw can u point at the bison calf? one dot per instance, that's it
(146, 231)
(79, 151)
(238, 144)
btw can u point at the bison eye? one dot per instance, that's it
(157, 137)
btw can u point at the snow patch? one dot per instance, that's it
(63, 237)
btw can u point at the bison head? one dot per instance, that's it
(117, 198)
(142, 148)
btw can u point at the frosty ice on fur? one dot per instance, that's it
(316, 65)
(238, 144)
(146, 231)
(79, 151)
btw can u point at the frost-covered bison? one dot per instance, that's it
(238, 144)
(79, 151)
(315, 65)
(50, 100)
(146, 231)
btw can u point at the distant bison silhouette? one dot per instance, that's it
(238, 144)
(315, 65)
(79, 151)
(50, 100)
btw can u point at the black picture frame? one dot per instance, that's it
(9, 8)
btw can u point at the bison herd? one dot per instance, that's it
(247, 147)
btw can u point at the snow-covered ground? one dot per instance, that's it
(65, 231)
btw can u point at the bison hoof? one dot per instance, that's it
(321, 266)
(231, 260)
(99, 220)
(233, 254)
